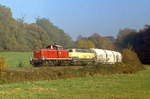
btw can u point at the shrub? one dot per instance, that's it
(131, 59)
(21, 64)
(2, 63)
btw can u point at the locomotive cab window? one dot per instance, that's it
(70, 50)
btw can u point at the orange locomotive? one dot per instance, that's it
(52, 55)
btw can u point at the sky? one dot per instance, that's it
(84, 17)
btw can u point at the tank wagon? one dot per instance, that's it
(107, 56)
(55, 55)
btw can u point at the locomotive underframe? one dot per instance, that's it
(62, 62)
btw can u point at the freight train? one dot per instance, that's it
(55, 55)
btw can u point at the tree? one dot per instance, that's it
(85, 43)
(54, 33)
(142, 44)
(16, 35)
(125, 38)
(5, 14)
(139, 41)
(101, 42)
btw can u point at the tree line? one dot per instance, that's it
(139, 41)
(17, 35)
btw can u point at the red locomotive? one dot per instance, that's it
(53, 55)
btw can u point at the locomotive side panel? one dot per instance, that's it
(63, 54)
(51, 54)
(48, 53)
(81, 53)
(37, 54)
(50, 57)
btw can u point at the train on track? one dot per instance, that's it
(55, 55)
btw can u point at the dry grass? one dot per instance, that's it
(48, 73)
(2, 63)
(131, 59)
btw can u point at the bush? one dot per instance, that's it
(21, 64)
(131, 59)
(2, 63)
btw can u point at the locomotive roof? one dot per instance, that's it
(58, 45)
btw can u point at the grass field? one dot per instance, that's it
(14, 59)
(118, 86)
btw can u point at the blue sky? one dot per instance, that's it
(84, 17)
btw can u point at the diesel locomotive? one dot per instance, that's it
(55, 55)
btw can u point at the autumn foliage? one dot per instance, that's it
(2, 63)
(85, 43)
(131, 58)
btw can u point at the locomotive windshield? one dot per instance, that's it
(70, 50)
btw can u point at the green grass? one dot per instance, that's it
(118, 86)
(13, 59)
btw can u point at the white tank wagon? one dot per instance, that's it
(118, 57)
(107, 56)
